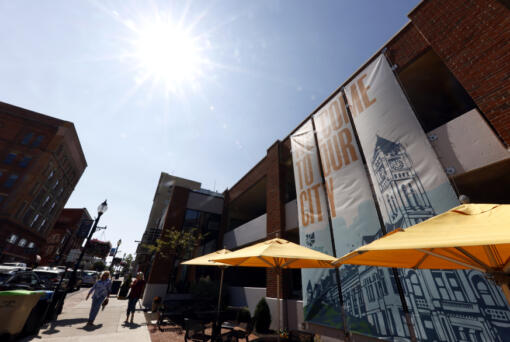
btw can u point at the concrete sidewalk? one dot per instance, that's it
(108, 326)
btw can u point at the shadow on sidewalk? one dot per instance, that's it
(92, 327)
(61, 323)
(131, 325)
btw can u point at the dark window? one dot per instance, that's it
(25, 161)
(27, 138)
(38, 141)
(436, 95)
(10, 158)
(11, 180)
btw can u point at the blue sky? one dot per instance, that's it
(260, 67)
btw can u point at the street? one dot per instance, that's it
(109, 324)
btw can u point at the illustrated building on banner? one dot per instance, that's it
(410, 187)
(405, 200)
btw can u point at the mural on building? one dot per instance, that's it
(446, 305)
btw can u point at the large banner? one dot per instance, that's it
(411, 187)
(320, 296)
(353, 213)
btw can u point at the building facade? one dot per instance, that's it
(41, 161)
(67, 233)
(179, 204)
(452, 62)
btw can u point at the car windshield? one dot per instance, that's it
(4, 277)
(46, 275)
(90, 273)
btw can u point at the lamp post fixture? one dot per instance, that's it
(114, 254)
(101, 209)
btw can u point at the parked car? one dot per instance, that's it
(13, 266)
(51, 276)
(21, 280)
(89, 278)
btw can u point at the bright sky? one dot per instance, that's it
(199, 89)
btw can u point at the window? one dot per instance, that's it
(41, 226)
(46, 200)
(10, 158)
(484, 292)
(12, 239)
(27, 138)
(22, 242)
(31, 245)
(25, 161)
(50, 176)
(56, 184)
(37, 141)
(11, 180)
(34, 220)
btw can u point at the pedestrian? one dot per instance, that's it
(135, 294)
(101, 289)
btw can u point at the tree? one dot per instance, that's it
(176, 244)
(127, 262)
(99, 266)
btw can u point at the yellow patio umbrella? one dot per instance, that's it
(204, 260)
(277, 254)
(470, 236)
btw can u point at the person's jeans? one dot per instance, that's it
(131, 305)
(94, 309)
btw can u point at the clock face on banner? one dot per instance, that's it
(396, 164)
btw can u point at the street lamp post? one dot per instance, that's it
(114, 254)
(101, 209)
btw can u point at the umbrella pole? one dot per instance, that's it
(278, 270)
(218, 326)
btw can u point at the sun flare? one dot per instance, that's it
(168, 54)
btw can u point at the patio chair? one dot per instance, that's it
(195, 331)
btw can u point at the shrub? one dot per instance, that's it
(262, 316)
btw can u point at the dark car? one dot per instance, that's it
(20, 280)
(51, 277)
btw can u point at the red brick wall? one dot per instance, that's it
(406, 46)
(251, 178)
(473, 40)
(175, 218)
(275, 213)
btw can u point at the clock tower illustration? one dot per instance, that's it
(403, 196)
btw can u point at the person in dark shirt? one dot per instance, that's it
(135, 294)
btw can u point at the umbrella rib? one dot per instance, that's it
(425, 256)
(264, 260)
(451, 260)
(506, 268)
(472, 257)
(491, 256)
(288, 263)
(338, 262)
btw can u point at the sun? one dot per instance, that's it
(168, 54)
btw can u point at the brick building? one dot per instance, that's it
(41, 161)
(181, 204)
(68, 232)
(453, 62)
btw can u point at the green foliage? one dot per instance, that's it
(176, 243)
(99, 266)
(128, 261)
(262, 316)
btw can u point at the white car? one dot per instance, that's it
(89, 278)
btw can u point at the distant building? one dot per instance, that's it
(181, 204)
(41, 161)
(67, 233)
